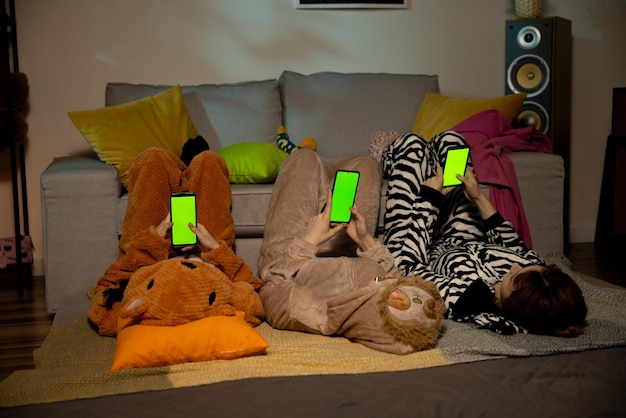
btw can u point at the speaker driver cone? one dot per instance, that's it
(529, 37)
(528, 74)
(532, 114)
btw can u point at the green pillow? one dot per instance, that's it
(252, 162)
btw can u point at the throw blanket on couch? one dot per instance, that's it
(490, 136)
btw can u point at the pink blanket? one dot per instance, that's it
(490, 136)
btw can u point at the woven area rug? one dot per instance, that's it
(74, 362)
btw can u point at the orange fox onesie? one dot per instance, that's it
(154, 175)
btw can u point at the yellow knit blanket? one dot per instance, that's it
(75, 363)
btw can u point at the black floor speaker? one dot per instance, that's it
(539, 63)
(611, 221)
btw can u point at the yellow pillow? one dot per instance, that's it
(119, 133)
(439, 113)
(211, 338)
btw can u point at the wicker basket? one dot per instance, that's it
(528, 9)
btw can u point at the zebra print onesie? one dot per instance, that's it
(443, 238)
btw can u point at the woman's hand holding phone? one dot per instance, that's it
(165, 225)
(319, 228)
(471, 188)
(357, 230)
(472, 191)
(436, 182)
(205, 239)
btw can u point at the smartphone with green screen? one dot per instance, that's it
(183, 212)
(456, 163)
(344, 193)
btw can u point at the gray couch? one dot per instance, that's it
(83, 202)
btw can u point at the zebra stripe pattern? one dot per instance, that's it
(447, 244)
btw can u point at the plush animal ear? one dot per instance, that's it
(134, 309)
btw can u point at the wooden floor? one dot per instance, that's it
(608, 264)
(24, 322)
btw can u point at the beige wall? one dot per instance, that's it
(70, 48)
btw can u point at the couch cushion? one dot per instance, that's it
(250, 203)
(119, 133)
(224, 114)
(341, 111)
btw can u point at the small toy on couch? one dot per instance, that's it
(285, 144)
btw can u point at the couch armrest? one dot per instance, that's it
(79, 214)
(541, 180)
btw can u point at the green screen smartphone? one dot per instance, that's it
(344, 193)
(183, 211)
(456, 163)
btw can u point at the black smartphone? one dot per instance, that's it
(183, 212)
(456, 163)
(344, 193)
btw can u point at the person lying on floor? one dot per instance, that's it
(154, 175)
(337, 279)
(455, 238)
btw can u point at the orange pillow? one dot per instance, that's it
(211, 338)
(439, 113)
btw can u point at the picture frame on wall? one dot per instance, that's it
(351, 4)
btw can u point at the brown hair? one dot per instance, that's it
(546, 301)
